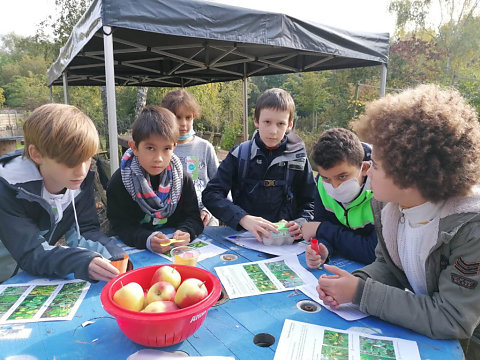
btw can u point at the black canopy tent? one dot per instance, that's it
(188, 42)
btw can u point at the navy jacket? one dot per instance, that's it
(28, 230)
(354, 244)
(269, 202)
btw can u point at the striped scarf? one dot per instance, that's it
(158, 204)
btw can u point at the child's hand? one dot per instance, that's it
(294, 229)
(309, 229)
(156, 243)
(258, 226)
(205, 216)
(314, 260)
(181, 235)
(337, 289)
(101, 269)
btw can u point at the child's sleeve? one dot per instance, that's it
(21, 236)
(212, 161)
(338, 238)
(122, 214)
(214, 197)
(451, 311)
(188, 211)
(304, 188)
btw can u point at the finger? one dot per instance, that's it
(336, 270)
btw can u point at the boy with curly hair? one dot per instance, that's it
(343, 218)
(48, 193)
(426, 164)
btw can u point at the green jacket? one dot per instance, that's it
(451, 310)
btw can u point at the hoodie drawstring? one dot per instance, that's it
(75, 213)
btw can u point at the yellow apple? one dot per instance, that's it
(130, 296)
(190, 292)
(167, 273)
(161, 290)
(160, 306)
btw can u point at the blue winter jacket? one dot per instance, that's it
(253, 195)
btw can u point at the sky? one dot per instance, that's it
(23, 16)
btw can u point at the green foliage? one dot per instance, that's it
(231, 130)
(2, 98)
(27, 92)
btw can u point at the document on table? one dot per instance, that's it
(41, 301)
(304, 341)
(204, 246)
(275, 275)
(247, 240)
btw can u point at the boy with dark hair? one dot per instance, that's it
(196, 154)
(426, 166)
(343, 219)
(269, 176)
(48, 193)
(151, 190)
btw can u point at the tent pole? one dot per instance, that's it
(65, 88)
(245, 103)
(383, 80)
(51, 94)
(111, 102)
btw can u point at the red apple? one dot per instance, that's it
(161, 290)
(160, 306)
(190, 292)
(167, 273)
(130, 296)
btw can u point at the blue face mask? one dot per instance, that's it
(186, 136)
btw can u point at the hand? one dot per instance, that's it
(101, 269)
(294, 229)
(309, 229)
(258, 226)
(156, 243)
(337, 289)
(205, 216)
(181, 235)
(314, 260)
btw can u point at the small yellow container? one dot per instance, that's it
(185, 255)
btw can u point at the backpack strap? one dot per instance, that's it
(244, 153)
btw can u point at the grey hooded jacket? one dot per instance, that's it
(28, 230)
(451, 309)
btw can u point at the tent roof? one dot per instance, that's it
(190, 42)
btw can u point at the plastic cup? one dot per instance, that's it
(185, 255)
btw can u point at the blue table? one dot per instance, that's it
(228, 330)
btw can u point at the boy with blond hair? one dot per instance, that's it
(270, 177)
(426, 167)
(48, 193)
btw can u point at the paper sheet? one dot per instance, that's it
(303, 341)
(51, 300)
(203, 245)
(247, 240)
(275, 275)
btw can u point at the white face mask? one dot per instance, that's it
(346, 192)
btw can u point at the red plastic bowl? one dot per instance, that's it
(160, 329)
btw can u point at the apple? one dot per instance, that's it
(160, 306)
(161, 290)
(167, 273)
(130, 296)
(190, 292)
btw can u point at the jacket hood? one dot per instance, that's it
(460, 205)
(16, 169)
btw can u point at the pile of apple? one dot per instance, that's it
(167, 292)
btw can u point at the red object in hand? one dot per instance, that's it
(314, 245)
